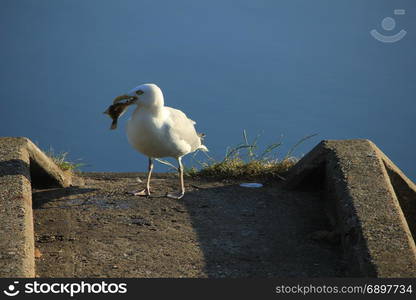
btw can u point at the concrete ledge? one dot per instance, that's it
(370, 203)
(21, 164)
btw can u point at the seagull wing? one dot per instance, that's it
(182, 130)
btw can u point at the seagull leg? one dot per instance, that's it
(182, 192)
(146, 191)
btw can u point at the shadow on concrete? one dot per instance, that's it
(407, 198)
(350, 237)
(33, 172)
(42, 197)
(14, 167)
(361, 204)
(262, 232)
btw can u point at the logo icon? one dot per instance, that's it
(388, 24)
(11, 291)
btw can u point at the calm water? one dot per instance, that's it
(276, 68)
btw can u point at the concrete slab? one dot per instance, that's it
(370, 202)
(21, 165)
(218, 229)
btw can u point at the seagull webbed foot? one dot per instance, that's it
(145, 192)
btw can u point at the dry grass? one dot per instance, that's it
(244, 161)
(62, 161)
(238, 168)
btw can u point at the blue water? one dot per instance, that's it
(275, 68)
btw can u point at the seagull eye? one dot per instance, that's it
(139, 92)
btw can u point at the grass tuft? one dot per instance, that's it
(60, 159)
(245, 161)
(237, 168)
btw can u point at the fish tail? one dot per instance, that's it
(203, 148)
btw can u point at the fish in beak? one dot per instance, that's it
(119, 107)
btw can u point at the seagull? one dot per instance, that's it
(158, 131)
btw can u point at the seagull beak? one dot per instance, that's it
(125, 97)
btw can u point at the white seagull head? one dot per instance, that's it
(147, 95)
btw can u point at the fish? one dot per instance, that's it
(116, 110)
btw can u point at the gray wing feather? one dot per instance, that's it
(184, 129)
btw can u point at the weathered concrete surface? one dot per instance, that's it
(370, 202)
(21, 161)
(218, 229)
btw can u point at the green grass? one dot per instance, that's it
(61, 160)
(247, 161)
